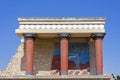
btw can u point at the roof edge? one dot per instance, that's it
(63, 19)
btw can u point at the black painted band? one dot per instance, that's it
(97, 36)
(29, 36)
(64, 36)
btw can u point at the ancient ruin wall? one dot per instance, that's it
(43, 55)
(42, 58)
(14, 67)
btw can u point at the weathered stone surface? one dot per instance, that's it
(43, 55)
(65, 77)
(14, 67)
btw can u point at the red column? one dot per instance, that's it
(98, 52)
(29, 50)
(64, 53)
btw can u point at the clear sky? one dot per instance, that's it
(10, 10)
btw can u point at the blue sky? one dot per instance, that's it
(10, 10)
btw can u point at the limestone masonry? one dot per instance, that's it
(58, 48)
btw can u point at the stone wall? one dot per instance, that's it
(43, 55)
(92, 57)
(42, 58)
(14, 67)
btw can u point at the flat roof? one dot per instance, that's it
(52, 26)
(63, 19)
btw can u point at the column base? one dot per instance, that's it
(99, 73)
(29, 73)
(63, 73)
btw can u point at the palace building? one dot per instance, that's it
(58, 49)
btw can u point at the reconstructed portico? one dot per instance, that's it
(64, 29)
(61, 47)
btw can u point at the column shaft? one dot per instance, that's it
(64, 56)
(64, 52)
(99, 56)
(29, 50)
(98, 37)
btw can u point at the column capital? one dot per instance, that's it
(30, 36)
(95, 36)
(64, 36)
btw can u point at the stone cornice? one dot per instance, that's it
(61, 21)
(60, 25)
